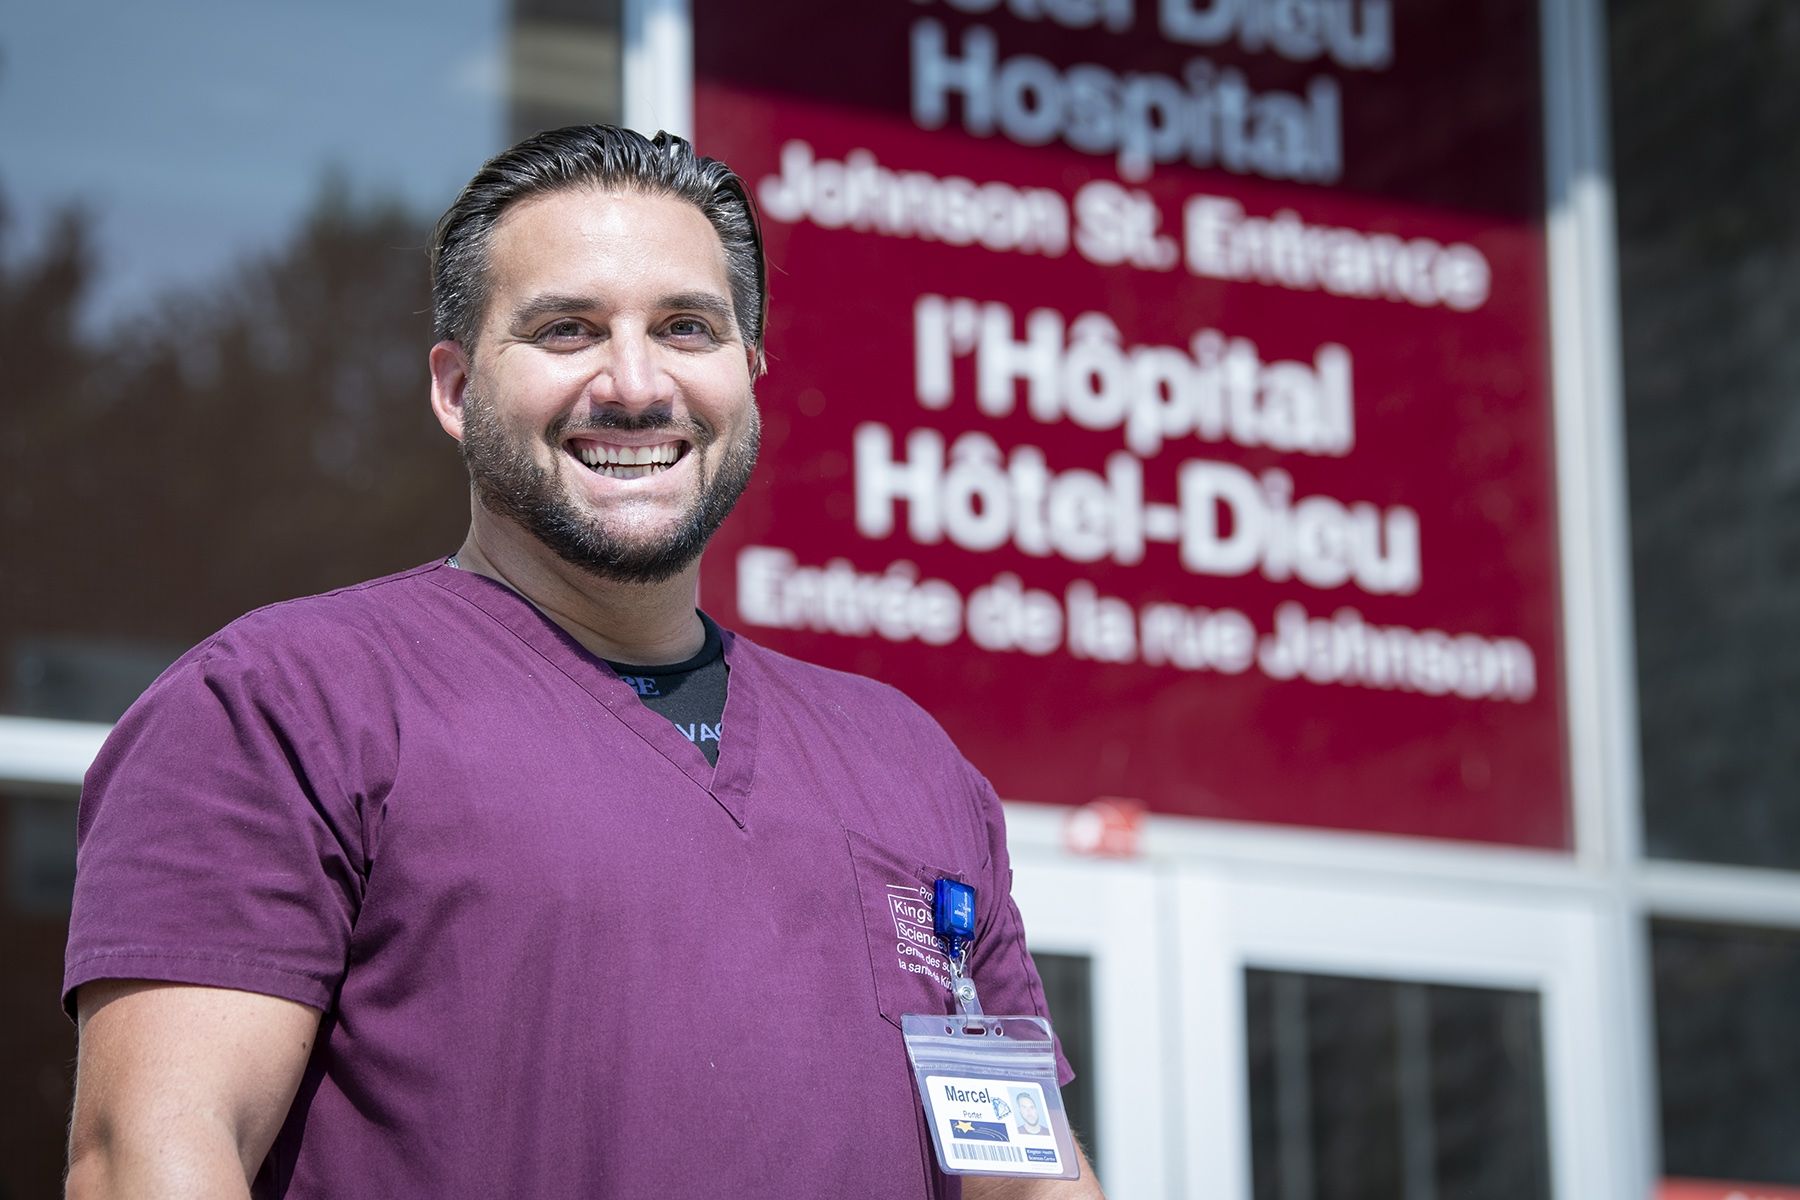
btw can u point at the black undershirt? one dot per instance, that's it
(690, 693)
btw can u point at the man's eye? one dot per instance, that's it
(561, 331)
(689, 327)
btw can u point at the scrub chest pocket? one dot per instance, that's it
(912, 974)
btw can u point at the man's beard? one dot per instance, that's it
(510, 483)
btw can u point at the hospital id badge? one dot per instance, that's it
(988, 1083)
(989, 1089)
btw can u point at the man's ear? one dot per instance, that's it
(449, 383)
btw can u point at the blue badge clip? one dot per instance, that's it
(953, 920)
(953, 915)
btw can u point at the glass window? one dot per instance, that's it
(1410, 1091)
(562, 64)
(1728, 1050)
(1704, 104)
(37, 1043)
(213, 305)
(1069, 988)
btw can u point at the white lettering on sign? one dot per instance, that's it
(1007, 615)
(973, 499)
(1217, 389)
(1206, 117)
(1227, 521)
(1358, 34)
(1114, 15)
(1347, 650)
(859, 193)
(1115, 225)
(895, 604)
(1100, 627)
(1197, 639)
(1233, 522)
(1343, 650)
(1284, 251)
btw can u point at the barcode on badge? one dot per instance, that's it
(971, 1153)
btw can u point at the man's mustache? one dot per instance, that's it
(659, 420)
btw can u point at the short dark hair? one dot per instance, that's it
(604, 156)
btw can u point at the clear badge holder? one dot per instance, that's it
(989, 1089)
(988, 1083)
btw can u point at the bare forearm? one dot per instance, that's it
(188, 1158)
(181, 1090)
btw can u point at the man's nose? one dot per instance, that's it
(633, 373)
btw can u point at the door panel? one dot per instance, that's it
(1400, 1042)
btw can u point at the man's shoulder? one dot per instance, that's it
(336, 631)
(343, 610)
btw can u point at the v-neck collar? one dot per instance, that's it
(728, 783)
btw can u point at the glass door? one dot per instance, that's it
(1417, 1042)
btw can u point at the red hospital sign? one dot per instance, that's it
(1159, 394)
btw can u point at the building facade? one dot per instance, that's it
(1334, 464)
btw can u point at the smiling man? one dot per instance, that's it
(485, 878)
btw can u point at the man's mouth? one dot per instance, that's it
(627, 462)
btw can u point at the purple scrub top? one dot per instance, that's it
(557, 953)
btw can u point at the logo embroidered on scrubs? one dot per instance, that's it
(919, 951)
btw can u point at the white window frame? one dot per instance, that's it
(1429, 933)
(38, 751)
(1109, 914)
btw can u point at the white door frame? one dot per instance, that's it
(1431, 933)
(1108, 912)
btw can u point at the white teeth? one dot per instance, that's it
(629, 456)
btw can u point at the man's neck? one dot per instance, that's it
(644, 623)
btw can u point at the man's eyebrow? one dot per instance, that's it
(706, 303)
(530, 310)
